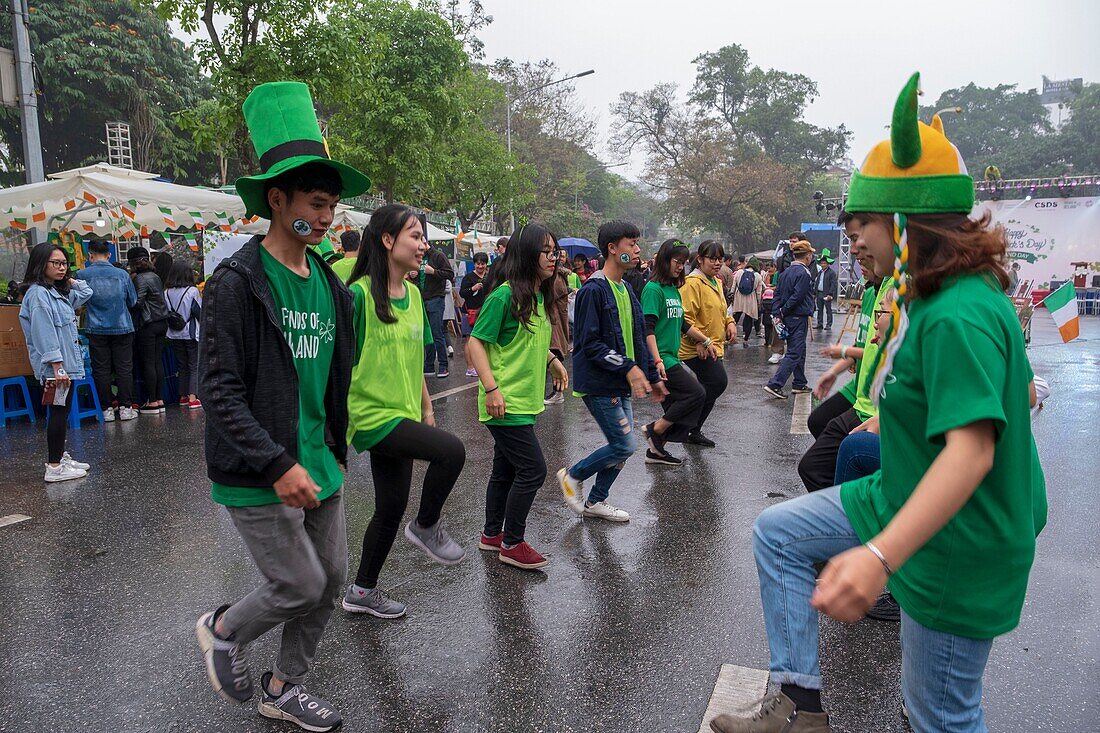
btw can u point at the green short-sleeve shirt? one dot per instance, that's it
(962, 361)
(664, 302)
(626, 315)
(307, 315)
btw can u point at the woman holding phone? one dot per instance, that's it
(48, 318)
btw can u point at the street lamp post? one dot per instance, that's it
(508, 127)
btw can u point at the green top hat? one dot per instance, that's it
(285, 133)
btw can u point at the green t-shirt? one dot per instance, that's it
(387, 382)
(308, 318)
(864, 405)
(517, 357)
(866, 317)
(574, 281)
(343, 268)
(664, 302)
(962, 361)
(626, 315)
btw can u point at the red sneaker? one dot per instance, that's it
(522, 556)
(194, 404)
(491, 544)
(184, 401)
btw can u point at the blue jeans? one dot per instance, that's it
(795, 360)
(615, 416)
(857, 457)
(437, 350)
(941, 672)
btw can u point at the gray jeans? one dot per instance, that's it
(303, 554)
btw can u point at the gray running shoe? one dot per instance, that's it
(226, 661)
(435, 542)
(308, 711)
(372, 601)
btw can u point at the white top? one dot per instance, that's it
(188, 303)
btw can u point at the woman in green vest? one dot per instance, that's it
(510, 349)
(389, 410)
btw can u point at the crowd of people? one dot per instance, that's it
(924, 490)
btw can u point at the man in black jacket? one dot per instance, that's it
(435, 273)
(794, 304)
(827, 289)
(276, 352)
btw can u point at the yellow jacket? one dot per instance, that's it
(705, 308)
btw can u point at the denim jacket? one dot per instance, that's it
(49, 325)
(108, 312)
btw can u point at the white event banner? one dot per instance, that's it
(1046, 235)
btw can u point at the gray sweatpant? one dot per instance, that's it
(303, 554)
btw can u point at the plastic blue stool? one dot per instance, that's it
(20, 383)
(78, 412)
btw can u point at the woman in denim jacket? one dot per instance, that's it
(48, 319)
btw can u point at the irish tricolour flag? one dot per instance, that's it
(1062, 304)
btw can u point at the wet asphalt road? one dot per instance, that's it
(625, 631)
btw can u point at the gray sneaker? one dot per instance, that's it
(226, 661)
(435, 542)
(308, 711)
(372, 601)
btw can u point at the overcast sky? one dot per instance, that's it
(858, 51)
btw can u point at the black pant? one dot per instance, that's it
(818, 467)
(712, 375)
(684, 403)
(766, 319)
(187, 357)
(824, 310)
(391, 465)
(836, 405)
(746, 323)
(112, 353)
(519, 470)
(150, 348)
(56, 424)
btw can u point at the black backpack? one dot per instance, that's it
(175, 320)
(747, 283)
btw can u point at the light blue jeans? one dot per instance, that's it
(941, 673)
(615, 416)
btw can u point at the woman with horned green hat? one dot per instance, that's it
(949, 522)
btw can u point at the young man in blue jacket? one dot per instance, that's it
(611, 365)
(794, 304)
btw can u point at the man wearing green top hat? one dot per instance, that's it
(277, 324)
(826, 287)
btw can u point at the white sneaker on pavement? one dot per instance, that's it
(572, 490)
(775, 358)
(109, 415)
(62, 472)
(68, 460)
(127, 413)
(603, 510)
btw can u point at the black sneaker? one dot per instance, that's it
(656, 442)
(776, 392)
(885, 608)
(226, 661)
(308, 711)
(696, 437)
(801, 390)
(663, 458)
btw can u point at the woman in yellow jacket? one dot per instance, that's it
(705, 308)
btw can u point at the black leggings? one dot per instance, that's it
(150, 348)
(712, 375)
(391, 464)
(835, 406)
(817, 469)
(685, 400)
(519, 470)
(56, 424)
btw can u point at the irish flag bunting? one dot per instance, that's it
(129, 209)
(223, 221)
(89, 197)
(1062, 304)
(38, 213)
(166, 214)
(196, 216)
(70, 204)
(19, 223)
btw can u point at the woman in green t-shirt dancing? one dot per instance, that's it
(510, 349)
(389, 410)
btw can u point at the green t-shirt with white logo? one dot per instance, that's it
(517, 357)
(307, 316)
(962, 361)
(664, 302)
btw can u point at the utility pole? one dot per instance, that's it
(28, 100)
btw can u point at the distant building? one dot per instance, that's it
(1057, 96)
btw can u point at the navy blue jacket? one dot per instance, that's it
(600, 363)
(795, 294)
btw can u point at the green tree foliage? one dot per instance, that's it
(1079, 139)
(107, 60)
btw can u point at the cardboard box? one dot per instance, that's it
(14, 361)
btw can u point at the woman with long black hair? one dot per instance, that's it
(151, 322)
(185, 300)
(510, 349)
(48, 319)
(389, 410)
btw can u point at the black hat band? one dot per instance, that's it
(291, 149)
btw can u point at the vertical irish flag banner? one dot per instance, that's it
(1062, 304)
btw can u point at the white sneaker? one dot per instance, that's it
(109, 415)
(450, 350)
(127, 413)
(555, 399)
(573, 491)
(67, 460)
(603, 510)
(775, 359)
(62, 472)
